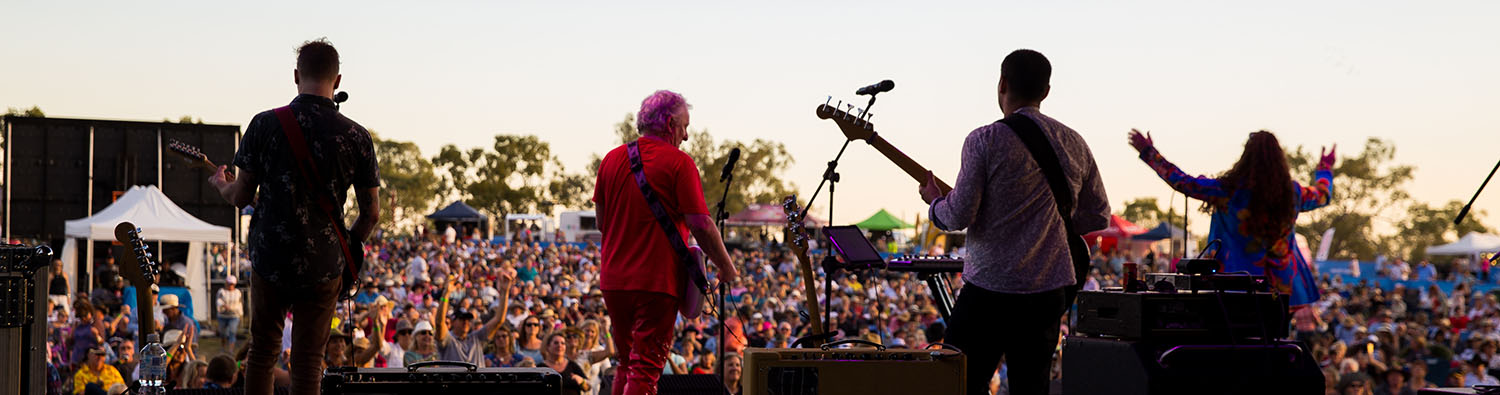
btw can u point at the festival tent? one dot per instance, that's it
(461, 215)
(1471, 244)
(1160, 232)
(1118, 228)
(766, 215)
(159, 220)
(882, 220)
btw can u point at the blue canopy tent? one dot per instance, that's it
(1160, 232)
(462, 217)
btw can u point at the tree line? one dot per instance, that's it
(519, 173)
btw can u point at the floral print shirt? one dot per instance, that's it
(292, 243)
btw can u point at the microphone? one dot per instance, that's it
(734, 156)
(341, 97)
(882, 86)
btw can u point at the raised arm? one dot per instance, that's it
(366, 354)
(503, 282)
(1320, 193)
(1200, 187)
(441, 317)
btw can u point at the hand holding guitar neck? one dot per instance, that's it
(195, 158)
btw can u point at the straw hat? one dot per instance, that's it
(169, 301)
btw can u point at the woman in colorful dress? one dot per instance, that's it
(1254, 207)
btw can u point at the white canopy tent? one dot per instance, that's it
(1471, 244)
(159, 220)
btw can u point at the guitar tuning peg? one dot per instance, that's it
(830, 99)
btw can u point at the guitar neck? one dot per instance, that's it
(912, 169)
(815, 317)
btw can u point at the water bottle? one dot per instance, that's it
(153, 367)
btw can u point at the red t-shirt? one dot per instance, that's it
(636, 253)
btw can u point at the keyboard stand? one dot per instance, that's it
(938, 284)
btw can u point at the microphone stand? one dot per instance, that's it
(1465, 211)
(720, 216)
(830, 264)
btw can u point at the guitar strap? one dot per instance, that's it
(638, 168)
(1042, 151)
(311, 177)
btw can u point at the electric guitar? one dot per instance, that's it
(796, 237)
(195, 158)
(138, 268)
(693, 297)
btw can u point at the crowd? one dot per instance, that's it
(529, 304)
(522, 303)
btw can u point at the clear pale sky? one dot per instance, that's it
(1199, 75)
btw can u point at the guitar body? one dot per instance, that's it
(350, 284)
(690, 305)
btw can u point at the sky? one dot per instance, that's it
(1199, 75)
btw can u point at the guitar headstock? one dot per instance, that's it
(796, 228)
(140, 254)
(192, 154)
(854, 122)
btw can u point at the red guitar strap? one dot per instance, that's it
(303, 158)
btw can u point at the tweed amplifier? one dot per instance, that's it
(441, 377)
(852, 371)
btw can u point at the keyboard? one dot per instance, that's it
(926, 264)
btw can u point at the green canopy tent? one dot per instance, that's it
(882, 221)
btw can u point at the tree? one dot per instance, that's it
(410, 185)
(1426, 226)
(757, 176)
(184, 119)
(1145, 212)
(516, 175)
(34, 112)
(1365, 185)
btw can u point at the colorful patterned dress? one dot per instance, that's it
(1290, 272)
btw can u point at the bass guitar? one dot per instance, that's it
(860, 128)
(137, 267)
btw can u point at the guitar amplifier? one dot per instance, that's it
(424, 379)
(810, 371)
(1209, 316)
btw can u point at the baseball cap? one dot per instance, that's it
(230, 279)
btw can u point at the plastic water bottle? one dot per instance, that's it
(153, 367)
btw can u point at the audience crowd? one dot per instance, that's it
(528, 303)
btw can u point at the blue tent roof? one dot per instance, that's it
(457, 212)
(1162, 231)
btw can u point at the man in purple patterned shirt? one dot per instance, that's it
(1018, 262)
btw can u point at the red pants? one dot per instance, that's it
(642, 330)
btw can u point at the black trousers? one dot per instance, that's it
(987, 325)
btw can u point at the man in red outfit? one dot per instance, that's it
(641, 272)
